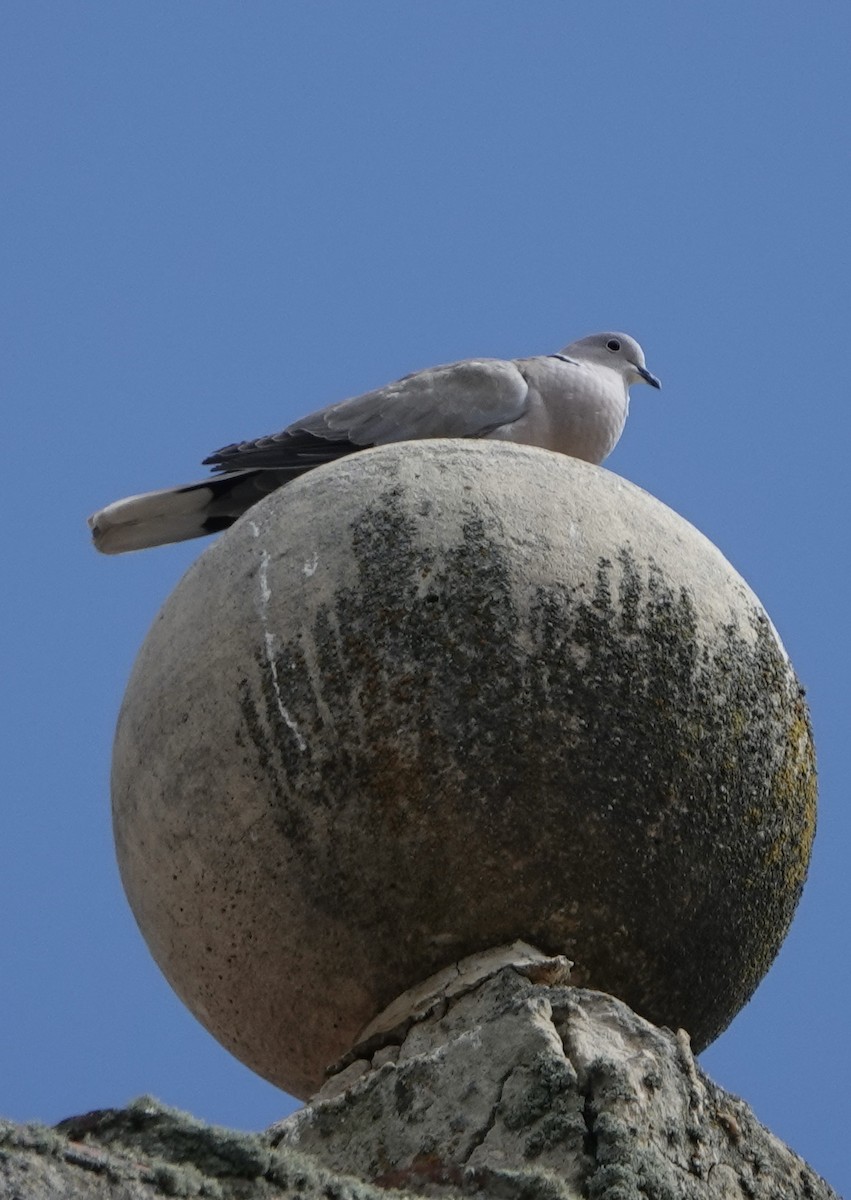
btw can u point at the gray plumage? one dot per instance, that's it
(574, 402)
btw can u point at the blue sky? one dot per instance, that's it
(218, 216)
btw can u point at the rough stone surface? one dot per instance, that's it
(521, 1089)
(438, 697)
(514, 1090)
(148, 1150)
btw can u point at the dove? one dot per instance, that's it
(574, 402)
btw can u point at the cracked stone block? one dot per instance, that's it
(524, 1089)
(438, 697)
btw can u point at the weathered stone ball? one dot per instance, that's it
(440, 696)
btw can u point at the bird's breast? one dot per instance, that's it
(570, 409)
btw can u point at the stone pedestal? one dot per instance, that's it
(509, 1084)
(515, 1084)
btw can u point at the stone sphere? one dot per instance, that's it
(438, 697)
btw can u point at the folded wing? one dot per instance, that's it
(464, 399)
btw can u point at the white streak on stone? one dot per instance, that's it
(265, 590)
(309, 568)
(269, 642)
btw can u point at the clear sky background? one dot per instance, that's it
(218, 216)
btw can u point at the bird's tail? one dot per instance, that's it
(177, 514)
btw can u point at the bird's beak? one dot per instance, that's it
(647, 377)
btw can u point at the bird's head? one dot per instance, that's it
(618, 351)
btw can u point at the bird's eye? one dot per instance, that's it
(613, 344)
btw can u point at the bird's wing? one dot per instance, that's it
(463, 399)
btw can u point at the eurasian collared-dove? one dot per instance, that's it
(574, 402)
